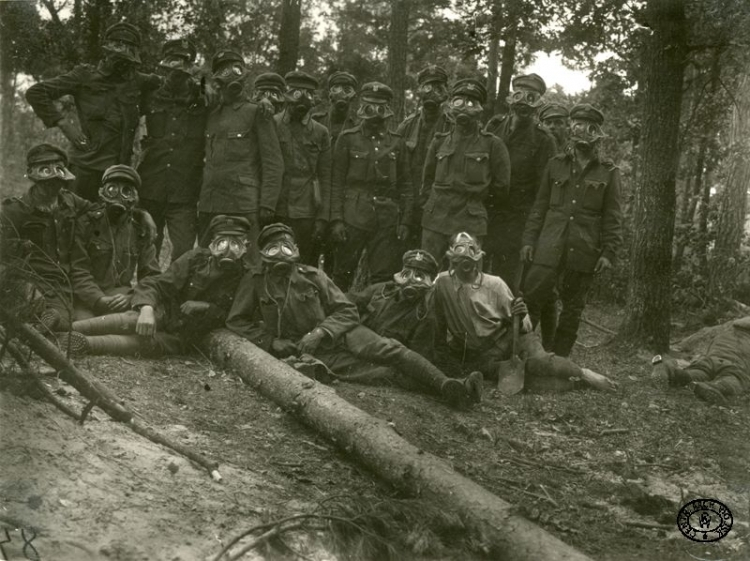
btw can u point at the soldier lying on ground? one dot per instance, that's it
(474, 312)
(723, 372)
(116, 246)
(38, 233)
(178, 307)
(290, 309)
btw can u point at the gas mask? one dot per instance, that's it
(176, 67)
(465, 109)
(341, 96)
(432, 94)
(585, 133)
(524, 102)
(119, 195)
(280, 256)
(273, 95)
(464, 254)
(414, 283)
(50, 171)
(230, 79)
(374, 112)
(227, 250)
(299, 101)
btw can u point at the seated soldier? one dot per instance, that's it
(403, 308)
(38, 236)
(723, 373)
(116, 247)
(178, 307)
(474, 312)
(288, 308)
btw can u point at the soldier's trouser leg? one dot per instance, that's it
(124, 345)
(574, 288)
(158, 211)
(110, 324)
(435, 243)
(503, 246)
(384, 253)
(717, 375)
(548, 322)
(539, 290)
(58, 312)
(182, 225)
(304, 233)
(348, 255)
(252, 257)
(87, 182)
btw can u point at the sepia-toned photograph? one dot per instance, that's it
(364, 280)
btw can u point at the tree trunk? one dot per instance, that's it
(695, 183)
(7, 89)
(291, 19)
(733, 203)
(398, 45)
(376, 445)
(507, 65)
(493, 61)
(650, 286)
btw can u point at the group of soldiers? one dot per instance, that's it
(451, 219)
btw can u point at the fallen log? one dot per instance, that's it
(371, 441)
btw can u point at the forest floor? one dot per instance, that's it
(99, 491)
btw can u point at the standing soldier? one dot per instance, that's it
(270, 86)
(554, 118)
(116, 247)
(306, 146)
(244, 167)
(107, 98)
(574, 229)
(342, 89)
(419, 128)
(465, 170)
(371, 193)
(172, 166)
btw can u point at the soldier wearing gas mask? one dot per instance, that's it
(419, 129)
(116, 247)
(575, 227)
(175, 309)
(38, 244)
(305, 198)
(340, 116)
(107, 99)
(371, 194)
(270, 87)
(291, 309)
(466, 170)
(171, 168)
(244, 166)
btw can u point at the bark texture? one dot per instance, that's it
(650, 286)
(291, 19)
(398, 45)
(375, 444)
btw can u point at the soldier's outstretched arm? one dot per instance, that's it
(245, 318)
(535, 221)
(325, 162)
(272, 163)
(428, 173)
(500, 162)
(341, 314)
(612, 217)
(340, 167)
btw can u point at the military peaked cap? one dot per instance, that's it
(587, 112)
(125, 32)
(530, 82)
(421, 259)
(376, 92)
(553, 110)
(270, 81)
(179, 47)
(43, 153)
(273, 230)
(121, 171)
(228, 226)
(301, 80)
(470, 87)
(225, 57)
(343, 78)
(432, 73)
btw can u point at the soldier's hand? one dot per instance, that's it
(527, 253)
(602, 265)
(402, 232)
(310, 342)
(147, 223)
(338, 232)
(283, 347)
(146, 325)
(266, 108)
(518, 307)
(266, 216)
(190, 307)
(74, 134)
(320, 229)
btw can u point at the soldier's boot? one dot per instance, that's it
(474, 384)
(453, 390)
(719, 391)
(110, 324)
(668, 370)
(543, 374)
(115, 345)
(48, 321)
(548, 324)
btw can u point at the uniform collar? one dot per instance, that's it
(286, 118)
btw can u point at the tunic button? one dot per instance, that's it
(170, 165)
(571, 218)
(479, 159)
(574, 201)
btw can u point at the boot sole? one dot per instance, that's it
(708, 394)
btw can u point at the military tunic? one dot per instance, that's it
(371, 193)
(113, 255)
(461, 175)
(171, 168)
(108, 110)
(576, 219)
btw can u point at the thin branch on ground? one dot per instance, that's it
(597, 326)
(648, 525)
